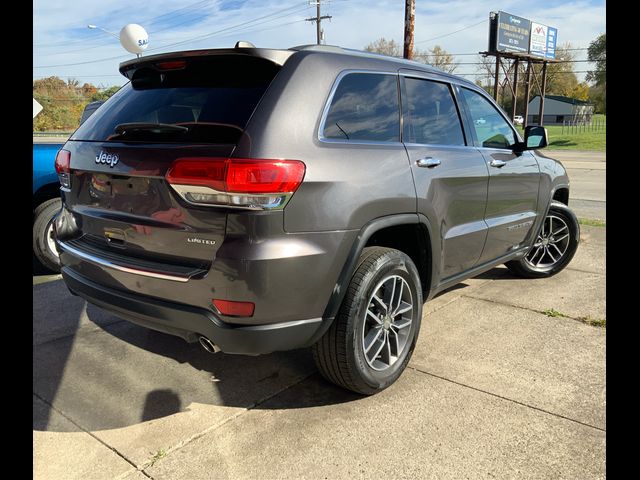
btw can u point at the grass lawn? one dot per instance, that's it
(588, 140)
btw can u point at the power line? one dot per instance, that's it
(148, 22)
(451, 33)
(318, 19)
(480, 63)
(77, 75)
(487, 74)
(109, 42)
(201, 37)
(164, 46)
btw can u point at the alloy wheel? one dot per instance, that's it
(51, 241)
(387, 323)
(551, 245)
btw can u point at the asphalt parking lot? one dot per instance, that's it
(507, 380)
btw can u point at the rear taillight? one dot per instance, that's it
(239, 182)
(63, 167)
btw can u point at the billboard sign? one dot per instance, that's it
(543, 40)
(512, 33)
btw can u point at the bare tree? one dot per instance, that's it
(385, 47)
(486, 72)
(439, 58)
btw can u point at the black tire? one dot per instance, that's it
(340, 354)
(525, 267)
(44, 215)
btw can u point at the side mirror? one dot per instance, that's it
(535, 137)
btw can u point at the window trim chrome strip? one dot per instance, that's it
(106, 263)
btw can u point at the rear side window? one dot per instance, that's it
(212, 98)
(430, 113)
(364, 107)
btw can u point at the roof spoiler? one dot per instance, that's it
(278, 57)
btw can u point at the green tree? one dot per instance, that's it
(580, 91)
(598, 95)
(561, 79)
(104, 94)
(63, 102)
(597, 53)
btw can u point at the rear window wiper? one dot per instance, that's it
(149, 127)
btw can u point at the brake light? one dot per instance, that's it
(234, 309)
(171, 65)
(63, 167)
(242, 182)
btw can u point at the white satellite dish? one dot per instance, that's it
(134, 38)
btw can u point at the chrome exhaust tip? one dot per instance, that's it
(208, 345)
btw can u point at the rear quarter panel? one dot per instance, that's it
(346, 184)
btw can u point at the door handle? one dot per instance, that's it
(428, 162)
(497, 163)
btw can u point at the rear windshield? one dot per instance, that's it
(213, 98)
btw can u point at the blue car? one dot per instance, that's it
(46, 194)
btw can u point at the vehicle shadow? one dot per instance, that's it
(39, 269)
(133, 375)
(561, 143)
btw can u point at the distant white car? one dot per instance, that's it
(480, 121)
(518, 120)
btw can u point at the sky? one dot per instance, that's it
(64, 46)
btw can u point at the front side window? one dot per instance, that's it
(492, 130)
(430, 114)
(364, 107)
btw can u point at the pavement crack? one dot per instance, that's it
(586, 271)
(88, 432)
(214, 427)
(533, 407)
(583, 320)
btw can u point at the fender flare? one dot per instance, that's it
(359, 243)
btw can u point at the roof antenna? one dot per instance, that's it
(244, 44)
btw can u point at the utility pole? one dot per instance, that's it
(318, 19)
(409, 21)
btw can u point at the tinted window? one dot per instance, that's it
(430, 114)
(213, 98)
(365, 107)
(492, 130)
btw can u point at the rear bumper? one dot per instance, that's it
(190, 322)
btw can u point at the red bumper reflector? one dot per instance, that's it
(234, 309)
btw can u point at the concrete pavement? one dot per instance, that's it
(495, 388)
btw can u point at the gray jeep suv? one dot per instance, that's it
(258, 200)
